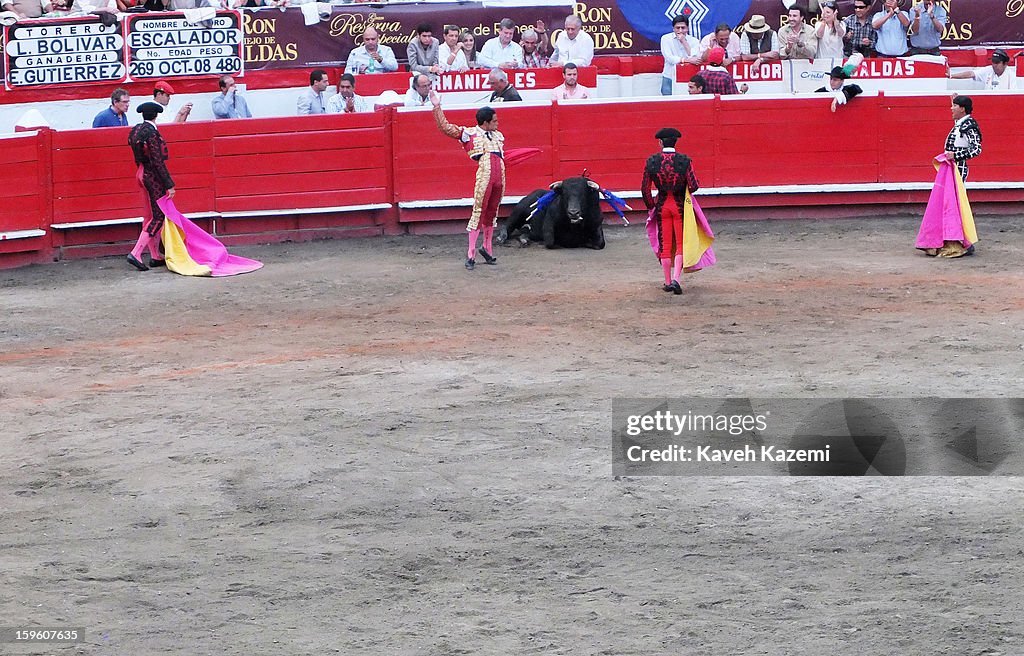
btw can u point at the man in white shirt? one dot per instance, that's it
(723, 37)
(501, 51)
(997, 77)
(419, 94)
(570, 89)
(677, 47)
(450, 56)
(371, 57)
(311, 100)
(346, 101)
(573, 44)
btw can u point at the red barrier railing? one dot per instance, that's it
(79, 188)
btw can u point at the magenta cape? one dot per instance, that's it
(697, 236)
(948, 216)
(191, 251)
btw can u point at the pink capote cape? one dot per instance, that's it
(948, 216)
(697, 236)
(191, 251)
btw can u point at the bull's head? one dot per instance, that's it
(573, 191)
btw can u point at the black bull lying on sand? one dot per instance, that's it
(572, 219)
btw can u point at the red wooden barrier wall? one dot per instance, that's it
(293, 178)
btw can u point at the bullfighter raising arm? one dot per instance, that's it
(485, 145)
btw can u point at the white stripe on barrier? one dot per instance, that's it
(21, 234)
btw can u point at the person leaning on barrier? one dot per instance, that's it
(371, 57)
(311, 100)
(759, 43)
(677, 47)
(997, 77)
(450, 55)
(468, 42)
(418, 94)
(797, 39)
(841, 92)
(501, 51)
(723, 37)
(162, 93)
(929, 21)
(423, 51)
(230, 103)
(570, 89)
(115, 115)
(573, 44)
(346, 101)
(892, 24)
(503, 91)
(717, 79)
(860, 35)
(535, 47)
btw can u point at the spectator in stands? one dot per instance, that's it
(570, 89)
(860, 36)
(503, 91)
(535, 47)
(468, 42)
(891, 24)
(573, 44)
(230, 103)
(841, 92)
(501, 51)
(418, 94)
(929, 20)
(311, 100)
(450, 55)
(677, 47)
(830, 32)
(423, 52)
(114, 116)
(723, 37)
(759, 43)
(997, 77)
(162, 93)
(716, 78)
(371, 57)
(797, 38)
(346, 101)
(697, 85)
(27, 8)
(150, 152)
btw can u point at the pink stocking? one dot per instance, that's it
(666, 264)
(677, 270)
(489, 239)
(154, 247)
(140, 245)
(473, 234)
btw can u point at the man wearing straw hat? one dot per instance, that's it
(759, 43)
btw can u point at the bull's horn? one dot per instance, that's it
(593, 185)
(555, 186)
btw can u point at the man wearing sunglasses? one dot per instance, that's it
(860, 36)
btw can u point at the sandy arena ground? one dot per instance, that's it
(365, 449)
